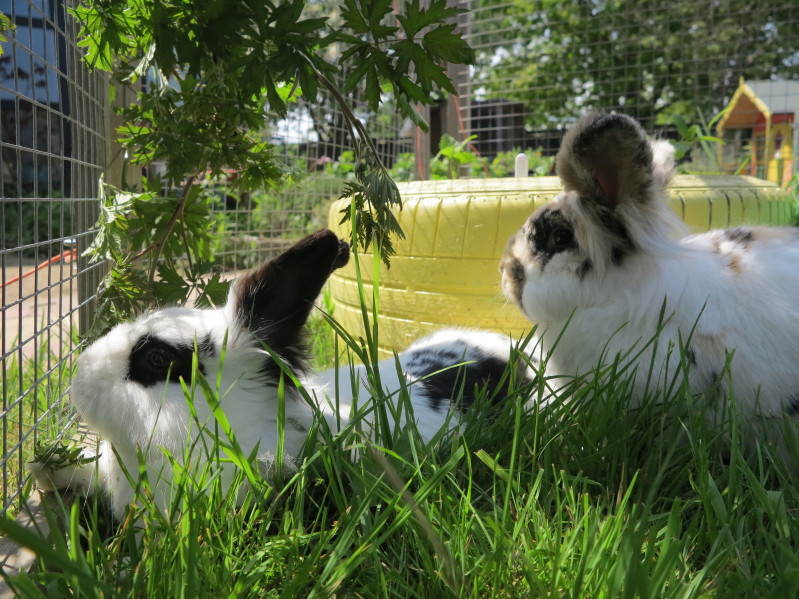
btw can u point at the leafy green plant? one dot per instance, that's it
(57, 455)
(452, 154)
(404, 168)
(344, 167)
(793, 187)
(217, 72)
(698, 140)
(136, 227)
(694, 134)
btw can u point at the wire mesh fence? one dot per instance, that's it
(53, 151)
(540, 64)
(315, 146)
(57, 129)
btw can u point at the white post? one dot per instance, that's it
(522, 165)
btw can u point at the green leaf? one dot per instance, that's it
(353, 18)
(5, 26)
(417, 18)
(172, 288)
(372, 90)
(446, 45)
(214, 292)
(410, 110)
(412, 89)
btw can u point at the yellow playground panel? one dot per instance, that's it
(757, 128)
(446, 272)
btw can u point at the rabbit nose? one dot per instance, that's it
(503, 263)
(512, 268)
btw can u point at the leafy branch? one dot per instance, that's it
(376, 222)
(58, 455)
(216, 72)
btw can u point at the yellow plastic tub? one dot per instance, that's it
(446, 272)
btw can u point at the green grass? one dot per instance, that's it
(322, 337)
(32, 396)
(582, 497)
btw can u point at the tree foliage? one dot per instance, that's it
(5, 27)
(648, 58)
(216, 71)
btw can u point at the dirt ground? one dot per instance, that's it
(38, 308)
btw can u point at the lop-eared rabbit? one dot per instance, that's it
(607, 254)
(129, 384)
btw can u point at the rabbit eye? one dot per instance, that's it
(153, 361)
(551, 232)
(562, 238)
(160, 358)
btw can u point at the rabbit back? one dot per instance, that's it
(443, 375)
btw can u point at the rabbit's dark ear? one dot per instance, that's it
(606, 158)
(274, 301)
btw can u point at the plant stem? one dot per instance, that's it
(356, 126)
(158, 245)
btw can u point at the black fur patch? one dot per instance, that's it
(623, 245)
(153, 360)
(617, 255)
(740, 235)
(584, 268)
(516, 271)
(550, 233)
(207, 346)
(714, 378)
(441, 388)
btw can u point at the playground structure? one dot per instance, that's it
(758, 129)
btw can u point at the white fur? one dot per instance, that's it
(727, 295)
(461, 342)
(154, 421)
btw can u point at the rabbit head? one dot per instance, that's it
(129, 384)
(612, 208)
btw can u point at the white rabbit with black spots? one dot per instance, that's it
(129, 384)
(607, 253)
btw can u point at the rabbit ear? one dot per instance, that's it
(274, 301)
(606, 158)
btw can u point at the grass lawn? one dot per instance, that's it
(582, 497)
(32, 398)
